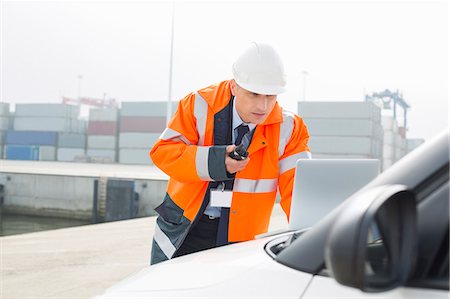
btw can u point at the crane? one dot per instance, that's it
(387, 97)
(96, 102)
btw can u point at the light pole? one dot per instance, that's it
(169, 99)
(304, 74)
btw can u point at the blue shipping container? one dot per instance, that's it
(31, 138)
(19, 152)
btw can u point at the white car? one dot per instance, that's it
(389, 240)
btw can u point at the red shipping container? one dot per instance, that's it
(142, 124)
(102, 128)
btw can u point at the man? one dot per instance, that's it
(213, 199)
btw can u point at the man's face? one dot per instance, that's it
(252, 107)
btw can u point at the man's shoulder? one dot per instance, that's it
(216, 87)
(216, 95)
(290, 116)
(292, 120)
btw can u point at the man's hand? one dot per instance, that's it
(232, 165)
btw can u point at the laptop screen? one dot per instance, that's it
(320, 185)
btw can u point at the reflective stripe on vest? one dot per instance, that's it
(255, 186)
(201, 163)
(286, 128)
(172, 134)
(291, 161)
(164, 242)
(200, 112)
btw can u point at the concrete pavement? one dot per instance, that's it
(80, 262)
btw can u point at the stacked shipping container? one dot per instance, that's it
(71, 147)
(141, 124)
(343, 129)
(35, 130)
(4, 124)
(102, 135)
(48, 117)
(46, 131)
(30, 145)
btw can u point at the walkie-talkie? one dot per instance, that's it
(240, 152)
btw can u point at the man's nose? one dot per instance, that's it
(262, 103)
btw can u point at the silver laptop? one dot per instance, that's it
(320, 185)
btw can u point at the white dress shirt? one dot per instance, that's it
(237, 121)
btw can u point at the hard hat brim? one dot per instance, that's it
(265, 89)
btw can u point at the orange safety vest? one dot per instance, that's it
(183, 150)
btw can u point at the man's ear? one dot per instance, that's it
(233, 87)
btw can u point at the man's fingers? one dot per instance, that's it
(230, 148)
(234, 166)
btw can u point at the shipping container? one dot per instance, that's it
(344, 127)
(55, 124)
(4, 109)
(47, 110)
(31, 138)
(71, 140)
(4, 123)
(102, 142)
(47, 153)
(138, 140)
(146, 109)
(358, 110)
(142, 124)
(2, 144)
(105, 114)
(344, 145)
(81, 126)
(102, 128)
(22, 152)
(134, 156)
(69, 154)
(78, 126)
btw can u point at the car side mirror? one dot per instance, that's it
(373, 244)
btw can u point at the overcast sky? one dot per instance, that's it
(122, 48)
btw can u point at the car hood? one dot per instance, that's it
(238, 270)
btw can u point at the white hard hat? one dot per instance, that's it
(260, 70)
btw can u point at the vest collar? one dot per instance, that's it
(275, 116)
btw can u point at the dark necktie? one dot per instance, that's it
(242, 129)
